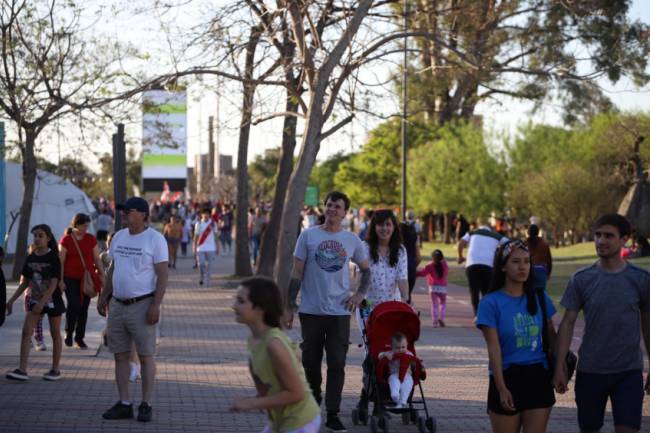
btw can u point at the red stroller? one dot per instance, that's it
(386, 319)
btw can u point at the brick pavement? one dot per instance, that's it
(202, 365)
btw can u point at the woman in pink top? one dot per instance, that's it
(436, 273)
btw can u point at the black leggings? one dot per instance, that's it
(479, 277)
(76, 315)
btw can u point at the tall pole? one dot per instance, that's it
(3, 192)
(404, 110)
(119, 172)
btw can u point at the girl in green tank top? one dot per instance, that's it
(278, 375)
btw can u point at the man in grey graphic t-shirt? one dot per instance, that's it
(615, 298)
(321, 274)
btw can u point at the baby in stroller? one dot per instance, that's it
(391, 369)
(400, 362)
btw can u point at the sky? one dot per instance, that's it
(144, 31)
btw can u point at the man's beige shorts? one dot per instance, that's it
(127, 324)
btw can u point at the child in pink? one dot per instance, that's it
(436, 273)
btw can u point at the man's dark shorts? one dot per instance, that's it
(624, 389)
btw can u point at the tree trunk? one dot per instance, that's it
(447, 228)
(242, 252)
(285, 167)
(29, 181)
(295, 197)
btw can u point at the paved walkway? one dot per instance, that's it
(202, 365)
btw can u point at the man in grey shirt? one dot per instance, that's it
(321, 272)
(615, 298)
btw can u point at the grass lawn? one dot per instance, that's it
(566, 261)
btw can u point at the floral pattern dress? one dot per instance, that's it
(384, 277)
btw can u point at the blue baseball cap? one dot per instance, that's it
(137, 203)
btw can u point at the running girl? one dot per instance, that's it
(41, 274)
(279, 378)
(436, 273)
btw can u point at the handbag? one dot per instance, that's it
(571, 359)
(87, 282)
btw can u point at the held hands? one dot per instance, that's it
(560, 381)
(62, 285)
(353, 301)
(647, 384)
(506, 399)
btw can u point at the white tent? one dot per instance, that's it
(56, 201)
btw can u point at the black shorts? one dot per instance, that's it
(54, 309)
(530, 386)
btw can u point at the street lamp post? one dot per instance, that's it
(404, 110)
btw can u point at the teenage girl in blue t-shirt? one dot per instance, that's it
(520, 393)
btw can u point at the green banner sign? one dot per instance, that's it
(311, 196)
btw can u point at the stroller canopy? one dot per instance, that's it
(388, 318)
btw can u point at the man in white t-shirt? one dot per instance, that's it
(205, 245)
(482, 244)
(135, 285)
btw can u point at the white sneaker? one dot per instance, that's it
(135, 372)
(40, 346)
(399, 406)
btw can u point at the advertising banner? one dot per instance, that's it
(164, 140)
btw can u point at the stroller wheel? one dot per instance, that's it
(406, 418)
(414, 416)
(374, 424)
(431, 424)
(355, 416)
(422, 428)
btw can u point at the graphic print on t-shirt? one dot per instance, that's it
(526, 331)
(331, 256)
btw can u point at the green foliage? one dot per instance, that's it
(323, 174)
(372, 176)
(456, 172)
(569, 176)
(262, 173)
(522, 49)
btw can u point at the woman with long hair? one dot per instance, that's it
(520, 393)
(75, 241)
(388, 261)
(40, 273)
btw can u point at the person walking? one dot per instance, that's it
(258, 226)
(614, 296)
(187, 234)
(388, 262)
(205, 245)
(225, 229)
(411, 242)
(78, 253)
(436, 273)
(520, 394)
(540, 254)
(282, 389)
(173, 232)
(321, 271)
(136, 284)
(104, 224)
(40, 273)
(481, 245)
